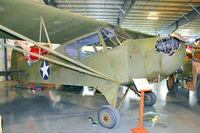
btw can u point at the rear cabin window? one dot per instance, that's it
(71, 51)
(90, 46)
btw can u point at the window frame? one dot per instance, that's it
(98, 32)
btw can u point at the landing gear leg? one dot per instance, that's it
(123, 99)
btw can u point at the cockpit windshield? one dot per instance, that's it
(113, 36)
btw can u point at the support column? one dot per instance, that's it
(4, 59)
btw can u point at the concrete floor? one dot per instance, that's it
(61, 111)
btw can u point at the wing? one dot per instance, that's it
(23, 16)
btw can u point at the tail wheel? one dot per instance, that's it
(109, 117)
(170, 83)
(149, 98)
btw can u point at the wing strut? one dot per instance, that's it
(54, 61)
(58, 54)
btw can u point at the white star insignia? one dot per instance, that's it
(44, 70)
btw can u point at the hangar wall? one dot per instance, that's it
(1, 59)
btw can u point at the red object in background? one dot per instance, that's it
(36, 51)
(189, 47)
(44, 52)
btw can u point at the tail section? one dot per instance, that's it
(18, 63)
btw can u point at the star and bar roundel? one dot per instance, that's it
(45, 70)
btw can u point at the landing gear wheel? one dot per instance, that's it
(149, 98)
(170, 83)
(109, 117)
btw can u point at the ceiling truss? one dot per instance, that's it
(157, 17)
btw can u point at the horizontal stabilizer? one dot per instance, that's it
(7, 73)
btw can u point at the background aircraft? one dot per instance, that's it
(92, 53)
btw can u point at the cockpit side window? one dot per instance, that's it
(113, 36)
(90, 46)
(72, 51)
(109, 38)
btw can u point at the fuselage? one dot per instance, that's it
(132, 59)
(136, 59)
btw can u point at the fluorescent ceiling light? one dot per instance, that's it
(153, 13)
(153, 18)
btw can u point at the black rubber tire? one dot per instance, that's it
(114, 115)
(170, 86)
(150, 99)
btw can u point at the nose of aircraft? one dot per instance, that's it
(149, 57)
(174, 57)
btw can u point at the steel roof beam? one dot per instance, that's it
(96, 12)
(166, 3)
(128, 4)
(145, 18)
(170, 15)
(171, 8)
(89, 1)
(155, 10)
(103, 17)
(82, 5)
(191, 16)
(101, 14)
(146, 24)
(139, 20)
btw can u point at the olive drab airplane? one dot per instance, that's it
(92, 53)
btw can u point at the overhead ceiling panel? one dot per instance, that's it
(149, 16)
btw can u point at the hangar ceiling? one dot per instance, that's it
(157, 17)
